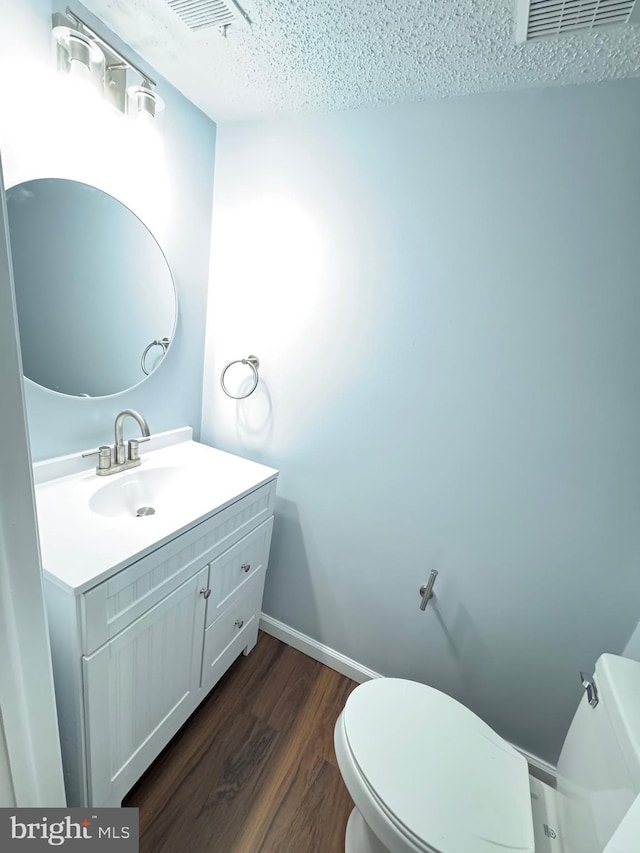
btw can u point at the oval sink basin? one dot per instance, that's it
(134, 494)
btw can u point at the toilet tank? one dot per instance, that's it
(599, 766)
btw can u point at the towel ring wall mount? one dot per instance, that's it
(254, 363)
(160, 342)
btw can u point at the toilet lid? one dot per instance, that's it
(441, 773)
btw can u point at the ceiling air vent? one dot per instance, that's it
(201, 14)
(540, 18)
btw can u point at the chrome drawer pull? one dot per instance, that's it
(205, 592)
(246, 567)
(239, 623)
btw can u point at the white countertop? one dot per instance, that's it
(81, 547)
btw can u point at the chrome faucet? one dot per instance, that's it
(111, 460)
(120, 454)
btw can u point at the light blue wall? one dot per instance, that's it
(445, 301)
(167, 182)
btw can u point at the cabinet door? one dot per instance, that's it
(140, 688)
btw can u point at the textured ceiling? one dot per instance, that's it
(316, 55)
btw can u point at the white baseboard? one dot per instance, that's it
(316, 650)
(357, 672)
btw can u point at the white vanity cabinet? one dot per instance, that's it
(137, 652)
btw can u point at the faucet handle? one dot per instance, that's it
(133, 443)
(104, 456)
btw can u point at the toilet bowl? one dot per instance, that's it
(429, 776)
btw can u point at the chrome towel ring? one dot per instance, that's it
(254, 363)
(162, 342)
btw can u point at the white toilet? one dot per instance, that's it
(428, 776)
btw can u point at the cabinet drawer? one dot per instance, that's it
(230, 633)
(114, 604)
(232, 572)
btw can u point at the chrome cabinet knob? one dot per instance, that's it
(205, 592)
(246, 567)
(239, 623)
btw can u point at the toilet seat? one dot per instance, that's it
(437, 774)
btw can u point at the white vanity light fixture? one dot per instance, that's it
(82, 52)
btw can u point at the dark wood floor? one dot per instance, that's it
(254, 768)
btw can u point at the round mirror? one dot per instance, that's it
(95, 296)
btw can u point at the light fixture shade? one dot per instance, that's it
(79, 56)
(143, 103)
